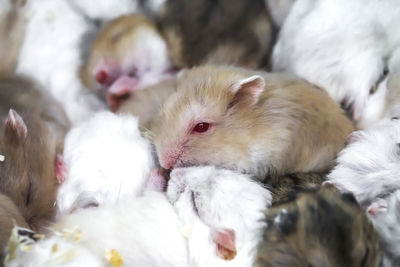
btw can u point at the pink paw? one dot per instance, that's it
(225, 242)
(60, 169)
(157, 180)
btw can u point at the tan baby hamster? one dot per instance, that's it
(255, 122)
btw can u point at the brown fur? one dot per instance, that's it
(320, 227)
(27, 175)
(284, 187)
(145, 104)
(12, 28)
(217, 32)
(293, 126)
(9, 214)
(114, 42)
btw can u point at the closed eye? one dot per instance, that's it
(133, 72)
(29, 194)
(192, 197)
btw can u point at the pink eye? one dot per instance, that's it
(201, 127)
(101, 77)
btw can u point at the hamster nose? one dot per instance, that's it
(167, 163)
(169, 158)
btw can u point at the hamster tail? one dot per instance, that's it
(12, 33)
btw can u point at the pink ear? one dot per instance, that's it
(248, 90)
(15, 125)
(225, 241)
(157, 180)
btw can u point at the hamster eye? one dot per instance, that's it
(201, 127)
(133, 72)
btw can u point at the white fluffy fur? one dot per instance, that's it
(5, 6)
(149, 231)
(223, 200)
(384, 104)
(67, 253)
(109, 9)
(107, 160)
(145, 231)
(386, 219)
(340, 45)
(369, 166)
(50, 54)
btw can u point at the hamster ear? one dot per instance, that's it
(15, 126)
(247, 90)
(225, 241)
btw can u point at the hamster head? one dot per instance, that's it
(369, 164)
(319, 227)
(210, 119)
(217, 199)
(28, 173)
(128, 54)
(107, 160)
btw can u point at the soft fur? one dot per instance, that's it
(343, 46)
(145, 231)
(221, 32)
(385, 214)
(319, 227)
(51, 54)
(109, 9)
(209, 199)
(261, 123)
(146, 104)
(9, 216)
(148, 231)
(32, 129)
(369, 165)
(130, 54)
(107, 160)
(279, 9)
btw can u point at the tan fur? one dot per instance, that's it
(9, 214)
(145, 104)
(114, 42)
(293, 127)
(320, 227)
(12, 32)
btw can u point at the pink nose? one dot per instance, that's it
(168, 162)
(170, 157)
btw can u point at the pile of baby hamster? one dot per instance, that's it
(199, 133)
